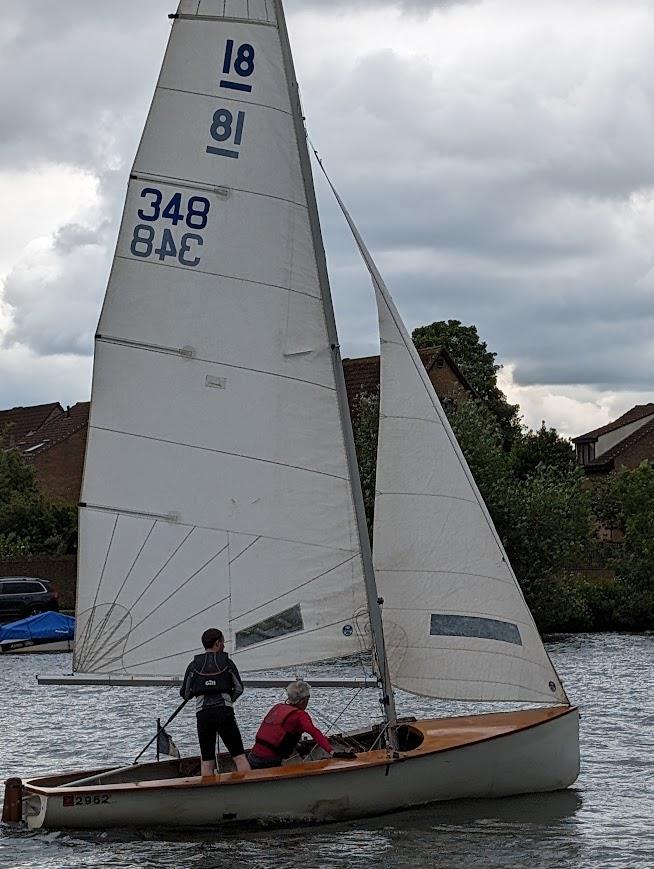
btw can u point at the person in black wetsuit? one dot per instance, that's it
(212, 678)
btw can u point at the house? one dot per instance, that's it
(19, 422)
(624, 443)
(362, 376)
(53, 440)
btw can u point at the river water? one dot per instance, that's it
(605, 820)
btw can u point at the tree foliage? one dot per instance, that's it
(542, 517)
(626, 502)
(29, 523)
(366, 429)
(477, 363)
(544, 448)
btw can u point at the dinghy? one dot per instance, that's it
(221, 485)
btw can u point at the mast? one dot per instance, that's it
(373, 600)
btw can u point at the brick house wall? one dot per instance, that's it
(447, 382)
(362, 376)
(59, 469)
(56, 452)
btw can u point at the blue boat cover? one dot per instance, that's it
(45, 626)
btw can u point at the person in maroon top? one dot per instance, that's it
(281, 729)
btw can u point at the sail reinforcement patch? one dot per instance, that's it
(287, 622)
(474, 626)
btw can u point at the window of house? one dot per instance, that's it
(585, 453)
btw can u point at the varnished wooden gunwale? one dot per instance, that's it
(440, 735)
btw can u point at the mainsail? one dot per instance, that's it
(456, 622)
(216, 488)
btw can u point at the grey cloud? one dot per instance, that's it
(72, 236)
(54, 293)
(501, 189)
(27, 379)
(71, 97)
(522, 220)
(78, 96)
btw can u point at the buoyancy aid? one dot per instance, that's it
(275, 732)
(211, 674)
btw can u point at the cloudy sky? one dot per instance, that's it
(498, 156)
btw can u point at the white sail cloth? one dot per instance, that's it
(455, 620)
(216, 490)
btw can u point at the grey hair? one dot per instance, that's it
(297, 692)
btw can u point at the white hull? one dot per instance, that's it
(539, 755)
(22, 647)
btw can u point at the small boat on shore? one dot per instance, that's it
(45, 632)
(221, 484)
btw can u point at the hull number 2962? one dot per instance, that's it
(85, 800)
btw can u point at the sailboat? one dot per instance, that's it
(221, 485)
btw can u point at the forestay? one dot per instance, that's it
(216, 489)
(455, 620)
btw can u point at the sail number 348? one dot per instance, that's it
(149, 239)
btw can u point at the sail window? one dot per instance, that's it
(443, 625)
(287, 622)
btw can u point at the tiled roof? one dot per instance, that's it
(22, 421)
(362, 374)
(606, 461)
(56, 430)
(633, 415)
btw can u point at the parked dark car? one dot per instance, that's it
(22, 596)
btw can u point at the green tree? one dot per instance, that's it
(10, 547)
(365, 423)
(480, 438)
(544, 448)
(16, 475)
(542, 518)
(626, 501)
(29, 523)
(478, 365)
